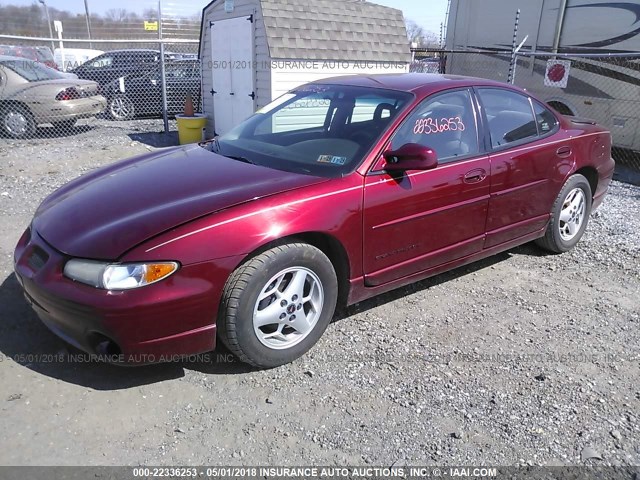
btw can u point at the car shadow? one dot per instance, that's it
(379, 300)
(156, 139)
(57, 132)
(25, 340)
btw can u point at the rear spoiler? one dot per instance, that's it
(581, 120)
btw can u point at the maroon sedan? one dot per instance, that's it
(337, 191)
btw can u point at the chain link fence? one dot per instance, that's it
(134, 69)
(602, 87)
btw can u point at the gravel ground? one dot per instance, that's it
(523, 358)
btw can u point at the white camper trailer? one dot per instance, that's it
(599, 40)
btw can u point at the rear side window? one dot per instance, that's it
(546, 120)
(31, 70)
(100, 62)
(510, 116)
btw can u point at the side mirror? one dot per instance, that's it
(411, 156)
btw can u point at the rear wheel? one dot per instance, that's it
(16, 121)
(569, 216)
(276, 306)
(121, 108)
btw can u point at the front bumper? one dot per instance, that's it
(160, 322)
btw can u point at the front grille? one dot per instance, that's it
(37, 259)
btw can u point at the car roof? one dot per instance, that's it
(410, 82)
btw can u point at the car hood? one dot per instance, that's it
(103, 214)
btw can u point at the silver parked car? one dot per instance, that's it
(32, 94)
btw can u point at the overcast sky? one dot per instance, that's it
(427, 13)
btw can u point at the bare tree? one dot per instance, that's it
(118, 15)
(421, 37)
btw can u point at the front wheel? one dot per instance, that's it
(569, 216)
(276, 306)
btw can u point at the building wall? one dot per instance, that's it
(274, 77)
(261, 66)
(287, 74)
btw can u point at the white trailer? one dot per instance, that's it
(601, 40)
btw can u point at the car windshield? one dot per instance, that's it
(323, 130)
(31, 70)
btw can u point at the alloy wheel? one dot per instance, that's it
(288, 308)
(572, 214)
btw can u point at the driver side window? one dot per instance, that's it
(445, 123)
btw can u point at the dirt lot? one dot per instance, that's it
(524, 358)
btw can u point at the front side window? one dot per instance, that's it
(509, 115)
(445, 123)
(317, 129)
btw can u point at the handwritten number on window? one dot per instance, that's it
(429, 125)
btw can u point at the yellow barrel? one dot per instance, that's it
(191, 129)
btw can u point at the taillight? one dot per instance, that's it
(68, 94)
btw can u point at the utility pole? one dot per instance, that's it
(46, 11)
(165, 116)
(86, 9)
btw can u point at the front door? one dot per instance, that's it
(421, 219)
(232, 70)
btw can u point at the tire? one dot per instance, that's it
(569, 216)
(16, 121)
(121, 108)
(262, 321)
(64, 124)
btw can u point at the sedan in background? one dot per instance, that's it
(141, 94)
(337, 191)
(32, 94)
(38, 54)
(114, 64)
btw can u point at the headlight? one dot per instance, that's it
(119, 276)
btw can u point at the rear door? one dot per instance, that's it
(529, 162)
(418, 220)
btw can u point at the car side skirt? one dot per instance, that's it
(359, 291)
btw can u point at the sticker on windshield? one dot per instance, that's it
(335, 160)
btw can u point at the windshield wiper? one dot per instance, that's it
(218, 150)
(241, 159)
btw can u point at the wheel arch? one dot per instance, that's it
(562, 106)
(18, 103)
(591, 174)
(327, 244)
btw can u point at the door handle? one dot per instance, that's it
(475, 176)
(564, 152)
